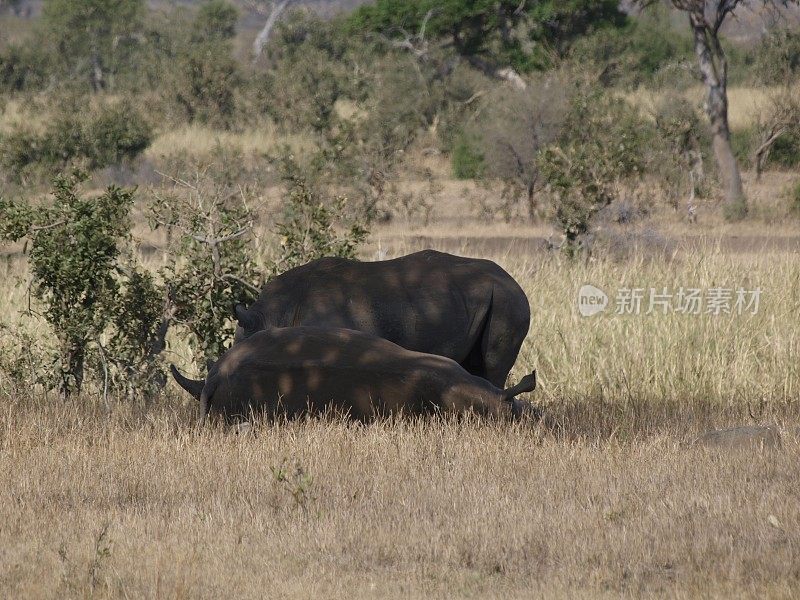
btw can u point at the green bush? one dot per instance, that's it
(794, 199)
(744, 143)
(216, 19)
(23, 67)
(785, 152)
(207, 83)
(73, 257)
(301, 91)
(603, 143)
(466, 159)
(114, 134)
(313, 227)
(117, 133)
(777, 58)
(636, 53)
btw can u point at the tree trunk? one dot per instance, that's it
(72, 358)
(263, 36)
(714, 70)
(97, 76)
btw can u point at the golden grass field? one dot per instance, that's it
(606, 496)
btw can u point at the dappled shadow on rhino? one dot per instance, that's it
(466, 309)
(288, 372)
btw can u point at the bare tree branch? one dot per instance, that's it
(278, 6)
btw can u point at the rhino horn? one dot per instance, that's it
(527, 384)
(248, 319)
(195, 388)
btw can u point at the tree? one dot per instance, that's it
(500, 37)
(88, 33)
(706, 18)
(276, 8)
(75, 246)
(208, 71)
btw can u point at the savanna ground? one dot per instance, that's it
(606, 496)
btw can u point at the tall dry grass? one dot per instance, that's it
(605, 497)
(745, 103)
(144, 505)
(200, 141)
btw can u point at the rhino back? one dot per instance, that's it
(293, 370)
(428, 301)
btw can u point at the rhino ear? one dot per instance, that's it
(248, 319)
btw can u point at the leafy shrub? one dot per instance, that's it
(466, 159)
(22, 67)
(679, 154)
(602, 144)
(777, 58)
(311, 227)
(114, 134)
(73, 258)
(207, 73)
(216, 19)
(210, 256)
(636, 53)
(514, 126)
(207, 82)
(785, 152)
(301, 91)
(117, 133)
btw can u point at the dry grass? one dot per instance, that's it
(200, 141)
(144, 505)
(745, 103)
(605, 497)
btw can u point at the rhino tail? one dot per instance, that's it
(526, 384)
(194, 387)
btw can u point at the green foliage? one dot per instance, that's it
(311, 227)
(23, 67)
(301, 91)
(636, 53)
(684, 144)
(74, 247)
(602, 144)
(211, 260)
(118, 132)
(208, 74)
(777, 58)
(140, 320)
(736, 210)
(466, 159)
(785, 152)
(744, 142)
(523, 35)
(216, 20)
(114, 134)
(91, 38)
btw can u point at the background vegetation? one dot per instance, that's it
(154, 171)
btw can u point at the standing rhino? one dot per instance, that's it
(296, 370)
(466, 309)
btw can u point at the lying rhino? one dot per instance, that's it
(466, 309)
(296, 370)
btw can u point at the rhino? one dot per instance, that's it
(466, 309)
(292, 371)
